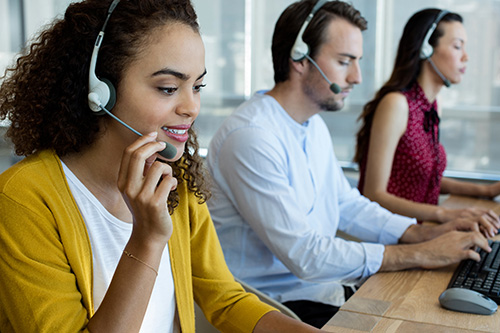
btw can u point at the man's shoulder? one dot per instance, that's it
(258, 113)
(253, 127)
(259, 109)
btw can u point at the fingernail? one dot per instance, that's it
(153, 134)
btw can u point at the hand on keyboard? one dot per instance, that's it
(452, 247)
(480, 276)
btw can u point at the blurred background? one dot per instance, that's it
(237, 36)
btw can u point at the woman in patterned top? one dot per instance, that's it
(398, 150)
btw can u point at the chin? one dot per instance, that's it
(332, 106)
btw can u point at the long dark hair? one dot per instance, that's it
(44, 95)
(406, 68)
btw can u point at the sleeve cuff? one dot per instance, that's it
(395, 228)
(374, 254)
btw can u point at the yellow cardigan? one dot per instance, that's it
(46, 260)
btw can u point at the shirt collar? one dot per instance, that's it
(292, 122)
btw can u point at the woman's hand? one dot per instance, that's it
(488, 221)
(489, 224)
(145, 185)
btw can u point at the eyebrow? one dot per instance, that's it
(182, 76)
(352, 57)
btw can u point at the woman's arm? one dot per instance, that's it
(45, 259)
(389, 125)
(453, 186)
(126, 300)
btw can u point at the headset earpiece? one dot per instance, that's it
(103, 92)
(426, 51)
(112, 94)
(299, 49)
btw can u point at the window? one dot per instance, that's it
(20, 20)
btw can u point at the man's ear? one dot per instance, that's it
(297, 66)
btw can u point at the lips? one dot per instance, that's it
(346, 92)
(178, 133)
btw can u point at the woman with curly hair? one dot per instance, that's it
(398, 150)
(99, 231)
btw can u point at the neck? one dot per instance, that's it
(97, 167)
(430, 82)
(292, 99)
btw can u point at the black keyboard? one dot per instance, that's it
(480, 276)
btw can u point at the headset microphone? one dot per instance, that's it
(446, 82)
(300, 49)
(102, 93)
(335, 88)
(426, 50)
(169, 152)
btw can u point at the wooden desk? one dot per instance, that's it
(352, 322)
(407, 301)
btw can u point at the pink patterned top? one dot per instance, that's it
(419, 160)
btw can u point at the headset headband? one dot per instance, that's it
(101, 92)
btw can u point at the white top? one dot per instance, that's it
(278, 200)
(108, 237)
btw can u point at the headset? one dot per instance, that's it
(426, 50)
(300, 49)
(102, 93)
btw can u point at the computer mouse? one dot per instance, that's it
(466, 300)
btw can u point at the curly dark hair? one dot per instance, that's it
(44, 94)
(406, 69)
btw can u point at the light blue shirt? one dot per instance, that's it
(278, 200)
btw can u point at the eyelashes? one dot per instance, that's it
(172, 90)
(199, 88)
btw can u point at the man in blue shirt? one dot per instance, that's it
(280, 195)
